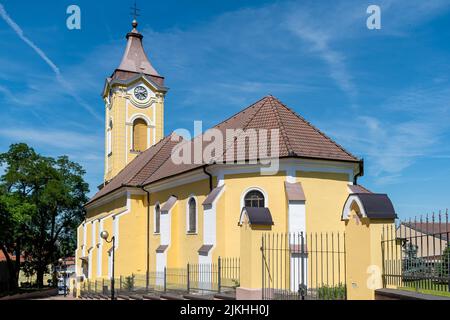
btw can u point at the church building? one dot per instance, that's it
(164, 214)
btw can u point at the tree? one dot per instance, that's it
(413, 266)
(15, 214)
(443, 268)
(53, 191)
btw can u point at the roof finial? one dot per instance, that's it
(135, 14)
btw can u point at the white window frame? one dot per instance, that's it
(196, 215)
(109, 137)
(248, 190)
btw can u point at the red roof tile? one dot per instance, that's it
(297, 138)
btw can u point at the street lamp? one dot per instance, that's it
(61, 261)
(105, 235)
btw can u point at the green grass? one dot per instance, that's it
(426, 287)
(427, 291)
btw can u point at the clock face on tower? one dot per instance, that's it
(140, 93)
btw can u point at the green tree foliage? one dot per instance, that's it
(413, 266)
(444, 267)
(43, 202)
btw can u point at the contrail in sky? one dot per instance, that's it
(47, 60)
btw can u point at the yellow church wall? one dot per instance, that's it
(116, 158)
(236, 186)
(325, 195)
(132, 245)
(110, 208)
(184, 247)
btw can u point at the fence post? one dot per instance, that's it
(219, 274)
(188, 279)
(302, 259)
(165, 279)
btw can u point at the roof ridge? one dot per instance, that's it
(315, 128)
(281, 125)
(247, 122)
(239, 112)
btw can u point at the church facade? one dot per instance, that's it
(165, 215)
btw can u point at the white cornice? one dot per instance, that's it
(110, 83)
(122, 192)
(178, 180)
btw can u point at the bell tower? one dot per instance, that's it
(134, 107)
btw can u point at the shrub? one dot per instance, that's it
(129, 283)
(332, 292)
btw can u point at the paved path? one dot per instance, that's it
(68, 298)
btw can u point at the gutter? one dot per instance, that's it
(360, 173)
(210, 178)
(148, 238)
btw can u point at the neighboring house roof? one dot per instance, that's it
(294, 191)
(430, 228)
(213, 196)
(297, 138)
(257, 216)
(11, 256)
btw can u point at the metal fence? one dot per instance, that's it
(220, 277)
(416, 254)
(298, 266)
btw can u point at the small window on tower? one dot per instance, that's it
(139, 135)
(109, 138)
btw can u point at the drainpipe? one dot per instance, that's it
(360, 173)
(148, 238)
(210, 179)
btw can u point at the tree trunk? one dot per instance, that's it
(40, 277)
(17, 264)
(12, 280)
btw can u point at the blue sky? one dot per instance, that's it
(383, 94)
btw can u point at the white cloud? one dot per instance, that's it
(410, 126)
(62, 140)
(59, 77)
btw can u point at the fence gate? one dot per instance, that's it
(299, 266)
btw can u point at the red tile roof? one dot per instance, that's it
(297, 138)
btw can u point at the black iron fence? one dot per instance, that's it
(416, 254)
(220, 277)
(298, 266)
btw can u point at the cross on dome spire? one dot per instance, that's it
(135, 13)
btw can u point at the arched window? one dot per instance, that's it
(157, 219)
(254, 199)
(139, 135)
(109, 137)
(192, 216)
